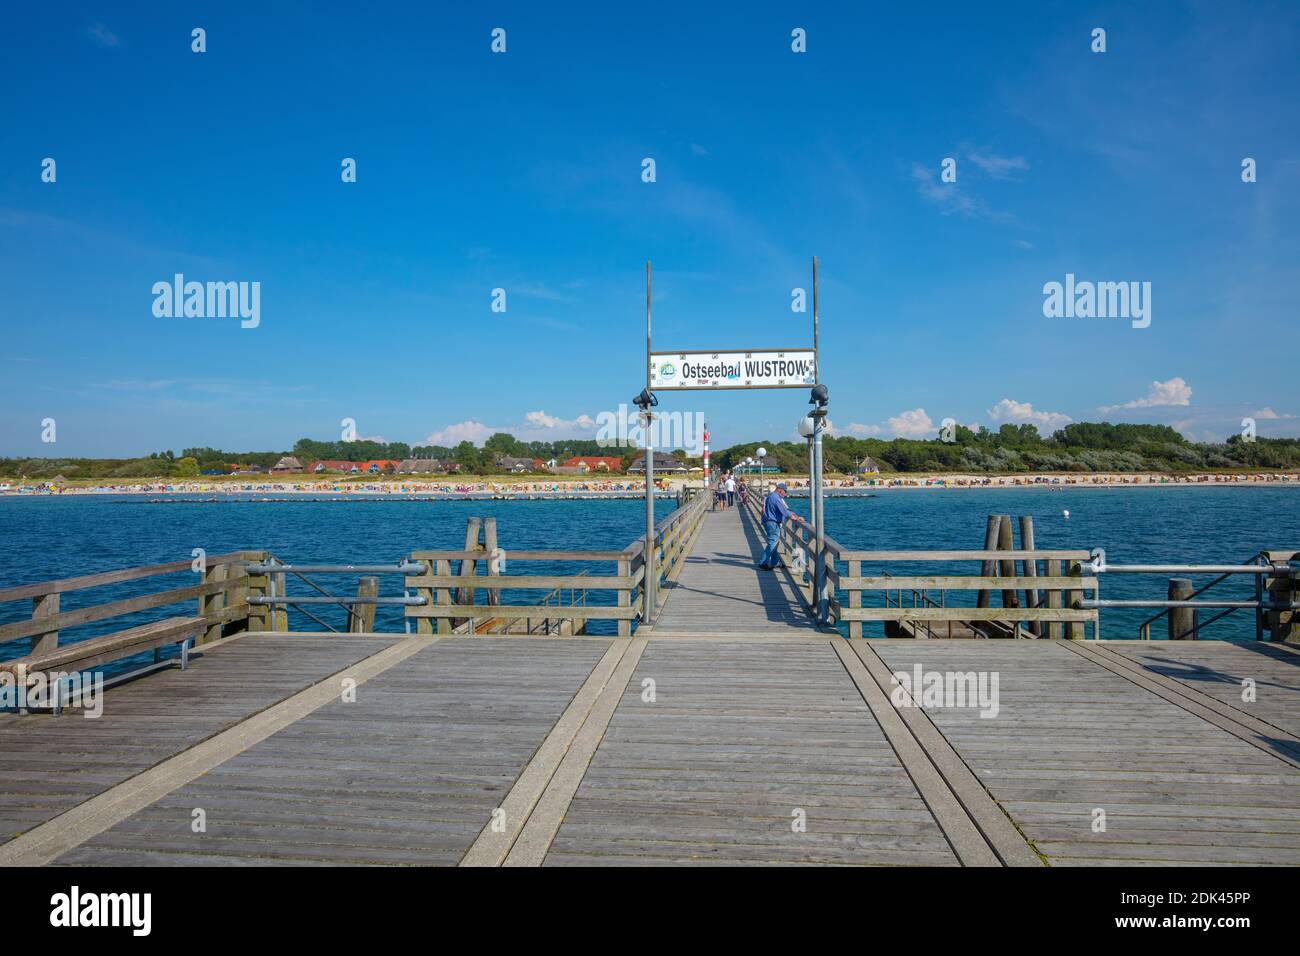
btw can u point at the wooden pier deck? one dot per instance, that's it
(732, 731)
(661, 750)
(720, 587)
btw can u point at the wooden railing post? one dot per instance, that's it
(212, 604)
(45, 605)
(279, 612)
(1054, 600)
(855, 598)
(258, 617)
(1283, 624)
(361, 620)
(423, 625)
(1074, 629)
(444, 597)
(624, 598)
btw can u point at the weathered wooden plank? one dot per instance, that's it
(966, 614)
(960, 583)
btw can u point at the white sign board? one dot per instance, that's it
(789, 368)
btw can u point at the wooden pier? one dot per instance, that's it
(730, 730)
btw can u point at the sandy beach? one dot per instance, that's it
(628, 486)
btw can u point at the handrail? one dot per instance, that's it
(220, 593)
(103, 578)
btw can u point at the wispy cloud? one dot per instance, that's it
(946, 196)
(103, 35)
(999, 167)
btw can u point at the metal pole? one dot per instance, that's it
(812, 470)
(651, 573)
(820, 580)
(817, 365)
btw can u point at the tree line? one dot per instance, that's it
(1079, 447)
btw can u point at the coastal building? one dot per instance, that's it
(348, 467)
(762, 466)
(665, 464)
(868, 466)
(584, 464)
(286, 465)
(380, 466)
(518, 466)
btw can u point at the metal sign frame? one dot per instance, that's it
(654, 357)
(650, 579)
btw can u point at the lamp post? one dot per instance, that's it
(807, 427)
(645, 401)
(819, 399)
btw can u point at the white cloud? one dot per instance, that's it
(1267, 414)
(699, 150)
(540, 419)
(999, 167)
(911, 424)
(452, 435)
(1023, 413)
(1160, 395)
(536, 425)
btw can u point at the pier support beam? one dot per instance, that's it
(1182, 620)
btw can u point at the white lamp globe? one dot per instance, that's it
(807, 427)
(762, 453)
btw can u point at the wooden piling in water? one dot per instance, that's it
(362, 618)
(989, 568)
(1182, 620)
(1007, 569)
(1030, 569)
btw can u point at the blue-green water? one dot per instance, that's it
(47, 538)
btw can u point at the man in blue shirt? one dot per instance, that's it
(775, 513)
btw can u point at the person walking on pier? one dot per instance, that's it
(731, 490)
(775, 513)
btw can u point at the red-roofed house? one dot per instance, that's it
(586, 463)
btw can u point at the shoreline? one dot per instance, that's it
(627, 489)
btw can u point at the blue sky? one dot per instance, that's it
(522, 171)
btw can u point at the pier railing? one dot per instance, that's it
(221, 593)
(1052, 603)
(1275, 576)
